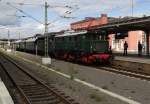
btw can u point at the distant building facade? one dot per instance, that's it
(116, 41)
(89, 22)
(132, 38)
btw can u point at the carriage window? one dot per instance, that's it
(63, 38)
(59, 39)
(70, 38)
(97, 37)
(83, 37)
(75, 38)
(104, 37)
(94, 37)
(100, 37)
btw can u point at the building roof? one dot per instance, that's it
(110, 19)
(86, 20)
(72, 33)
(120, 19)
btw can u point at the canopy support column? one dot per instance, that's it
(147, 42)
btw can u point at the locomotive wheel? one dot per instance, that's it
(91, 59)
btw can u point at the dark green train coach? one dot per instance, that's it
(81, 46)
(84, 46)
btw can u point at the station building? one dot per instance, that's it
(116, 41)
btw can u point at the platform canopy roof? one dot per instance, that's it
(127, 25)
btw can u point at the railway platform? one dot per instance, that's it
(5, 97)
(130, 58)
(133, 62)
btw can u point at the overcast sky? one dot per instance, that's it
(10, 17)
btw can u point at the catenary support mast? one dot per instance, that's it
(46, 30)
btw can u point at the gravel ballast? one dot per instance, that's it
(133, 88)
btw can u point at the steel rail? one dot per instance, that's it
(126, 73)
(17, 86)
(64, 100)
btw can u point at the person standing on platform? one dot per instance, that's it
(139, 48)
(125, 48)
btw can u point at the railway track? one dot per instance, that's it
(126, 73)
(114, 69)
(32, 90)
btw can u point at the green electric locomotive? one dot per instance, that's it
(87, 47)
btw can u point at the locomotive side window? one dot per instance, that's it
(94, 37)
(83, 37)
(59, 39)
(97, 37)
(70, 38)
(75, 38)
(100, 37)
(63, 38)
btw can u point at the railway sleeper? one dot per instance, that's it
(32, 86)
(43, 98)
(40, 96)
(33, 90)
(35, 93)
(46, 101)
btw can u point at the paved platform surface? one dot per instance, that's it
(133, 58)
(5, 98)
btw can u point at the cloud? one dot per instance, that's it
(57, 26)
(80, 9)
(5, 18)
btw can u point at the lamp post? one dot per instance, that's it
(8, 37)
(132, 6)
(46, 31)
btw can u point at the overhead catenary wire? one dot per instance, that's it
(49, 6)
(25, 13)
(22, 3)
